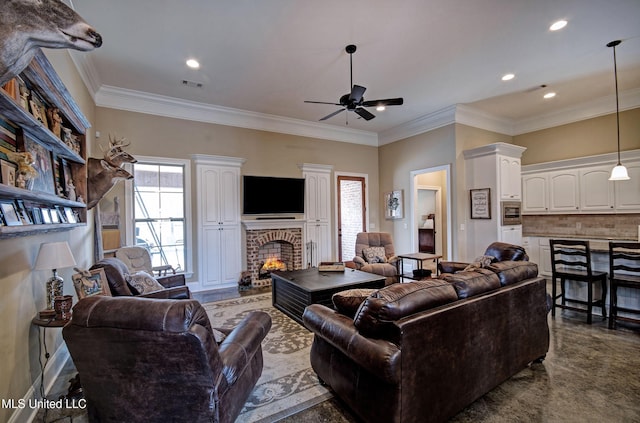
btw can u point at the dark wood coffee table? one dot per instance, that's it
(293, 291)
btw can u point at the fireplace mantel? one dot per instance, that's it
(261, 224)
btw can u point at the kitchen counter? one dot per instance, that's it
(597, 245)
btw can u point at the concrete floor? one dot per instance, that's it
(591, 374)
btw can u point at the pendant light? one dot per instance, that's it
(619, 172)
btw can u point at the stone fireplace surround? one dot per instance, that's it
(259, 233)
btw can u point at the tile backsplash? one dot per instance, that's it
(605, 226)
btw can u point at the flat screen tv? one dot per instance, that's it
(272, 195)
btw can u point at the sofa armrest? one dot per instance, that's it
(451, 266)
(242, 344)
(174, 293)
(359, 262)
(169, 281)
(379, 357)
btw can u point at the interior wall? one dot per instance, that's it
(22, 291)
(266, 153)
(579, 139)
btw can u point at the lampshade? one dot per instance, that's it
(54, 255)
(619, 173)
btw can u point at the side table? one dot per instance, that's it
(419, 258)
(44, 324)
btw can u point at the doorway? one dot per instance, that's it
(352, 213)
(430, 208)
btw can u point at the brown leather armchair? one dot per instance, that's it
(152, 360)
(500, 251)
(116, 271)
(388, 268)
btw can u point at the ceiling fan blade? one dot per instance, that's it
(356, 93)
(364, 113)
(384, 102)
(330, 115)
(322, 102)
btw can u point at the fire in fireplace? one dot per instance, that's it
(271, 264)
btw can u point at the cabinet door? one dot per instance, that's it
(210, 257)
(230, 254)
(318, 205)
(596, 190)
(544, 267)
(319, 243)
(628, 192)
(534, 193)
(229, 199)
(510, 188)
(564, 191)
(511, 234)
(210, 195)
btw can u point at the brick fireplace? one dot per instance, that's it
(272, 239)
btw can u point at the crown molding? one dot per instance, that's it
(138, 101)
(425, 123)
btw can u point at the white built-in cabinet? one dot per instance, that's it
(581, 186)
(317, 212)
(218, 220)
(495, 166)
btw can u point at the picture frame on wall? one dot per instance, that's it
(42, 164)
(480, 200)
(393, 201)
(90, 283)
(8, 172)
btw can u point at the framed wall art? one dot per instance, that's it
(480, 200)
(10, 214)
(91, 282)
(393, 205)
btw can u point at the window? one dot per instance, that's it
(159, 210)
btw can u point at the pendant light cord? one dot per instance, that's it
(615, 73)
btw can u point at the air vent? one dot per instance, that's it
(191, 84)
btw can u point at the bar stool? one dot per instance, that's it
(571, 260)
(624, 272)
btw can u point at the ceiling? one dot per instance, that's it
(261, 59)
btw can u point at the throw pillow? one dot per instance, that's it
(347, 302)
(218, 336)
(374, 255)
(479, 263)
(143, 282)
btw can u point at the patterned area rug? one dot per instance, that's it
(288, 384)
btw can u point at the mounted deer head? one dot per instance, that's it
(26, 25)
(103, 174)
(102, 177)
(115, 155)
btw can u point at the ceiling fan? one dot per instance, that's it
(354, 101)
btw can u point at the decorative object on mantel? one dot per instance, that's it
(26, 26)
(393, 205)
(54, 256)
(619, 172)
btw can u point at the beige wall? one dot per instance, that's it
(22, 292)
(266, 153)
(585, 138)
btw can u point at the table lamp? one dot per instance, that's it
(54, 256)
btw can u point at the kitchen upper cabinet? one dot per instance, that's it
(535, 193)
(510, 188)
(564, 191)
(596, 190)
(627, 193)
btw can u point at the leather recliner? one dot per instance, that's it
(500, 251)
(389, 268)
(152, 360)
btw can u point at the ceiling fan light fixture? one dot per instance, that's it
(558, 25)
(380, 108)
(549, 95)
(508, 77)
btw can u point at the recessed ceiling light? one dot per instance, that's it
(508, 77)
(549, 95)
(193, 63)
(558, 25)
(380, 108)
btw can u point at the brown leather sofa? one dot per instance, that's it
(423, 351)
(156, 360)
(116, 270)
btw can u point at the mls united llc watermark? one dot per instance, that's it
(44, 403)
